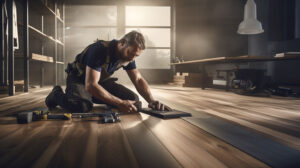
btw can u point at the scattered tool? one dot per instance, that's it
(107, 117)
(43, 114)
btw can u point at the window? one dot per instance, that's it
(148, 16)
(101, 22)
(85, 27)
(155, 24)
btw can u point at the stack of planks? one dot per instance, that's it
(196, 80)
(178, 79)
(190, 80)
(18, 87)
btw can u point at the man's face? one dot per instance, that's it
(129, 53)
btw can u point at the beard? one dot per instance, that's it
(123, 58)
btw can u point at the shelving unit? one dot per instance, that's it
(41, 30)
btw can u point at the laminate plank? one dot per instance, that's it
(196, 103)
(193, 147)
(22, 147)
(144, 141)
(114, 149)
(146, 147)
(270, 152)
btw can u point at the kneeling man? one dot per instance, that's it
(88, 79)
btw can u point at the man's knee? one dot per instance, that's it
(86, 106)
(81, 106)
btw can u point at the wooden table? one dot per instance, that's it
(198, 66)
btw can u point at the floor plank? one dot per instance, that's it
(199, 149)
(284, 128)
(142, 140)
(146, 147)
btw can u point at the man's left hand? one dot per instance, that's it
(156, 105)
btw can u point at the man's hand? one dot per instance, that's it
(156, 105)
(127, 106)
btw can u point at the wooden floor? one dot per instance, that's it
(140, 140)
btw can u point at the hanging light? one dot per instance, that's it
(250, 25)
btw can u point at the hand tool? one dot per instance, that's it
(43, 114)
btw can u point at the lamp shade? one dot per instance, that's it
(250, 25)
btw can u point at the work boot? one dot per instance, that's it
(51, 98)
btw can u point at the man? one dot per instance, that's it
(89, 81)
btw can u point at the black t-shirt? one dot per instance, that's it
(95, 57)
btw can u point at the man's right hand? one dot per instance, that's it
(127, 106)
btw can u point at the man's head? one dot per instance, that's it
(131, 46)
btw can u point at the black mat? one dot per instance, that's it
(262, 148)
(165, 114)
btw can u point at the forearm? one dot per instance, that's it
(100, 93)
(144, 90)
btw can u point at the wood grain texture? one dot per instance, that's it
(141, 140)
(180, 138)
(275, 117)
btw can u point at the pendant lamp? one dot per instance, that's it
(250, 25)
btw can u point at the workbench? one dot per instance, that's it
(198, 66)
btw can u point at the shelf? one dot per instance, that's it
(59, 42)
(58, 18)
(38, 57)
(37, 34)
(59, 62)
(43, 58)
(39, 6)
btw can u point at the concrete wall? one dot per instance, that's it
(280, 36)
(207, 28)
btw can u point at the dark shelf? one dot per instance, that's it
(38, 35)
(38, 57)
(46, 35)
(40, 7)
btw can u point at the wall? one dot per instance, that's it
(277, 17)
(207, 28)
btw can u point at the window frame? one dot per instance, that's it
(121, 27)
(154, 27)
